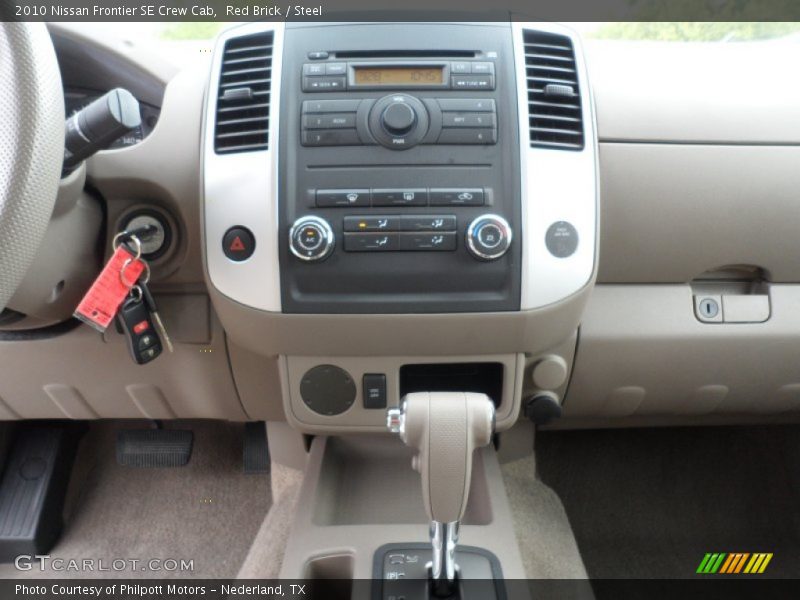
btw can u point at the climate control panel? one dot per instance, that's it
(488, 237)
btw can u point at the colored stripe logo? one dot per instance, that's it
(734, 563)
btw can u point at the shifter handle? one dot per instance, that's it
(445, 428)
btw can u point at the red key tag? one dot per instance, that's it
(102, 301)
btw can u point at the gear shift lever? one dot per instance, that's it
(445, 427)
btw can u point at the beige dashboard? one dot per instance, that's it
(698, 188)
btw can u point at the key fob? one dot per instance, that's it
(143, 340)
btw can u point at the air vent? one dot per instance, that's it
(244, 95)
(554, 96)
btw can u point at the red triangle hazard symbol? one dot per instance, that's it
(237, 245)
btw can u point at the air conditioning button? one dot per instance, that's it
(311, 239)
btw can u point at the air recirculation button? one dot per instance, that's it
(489, 237)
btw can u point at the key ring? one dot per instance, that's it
(144, 281)
(116, 243)
(136, 292)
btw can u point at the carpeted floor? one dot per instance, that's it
(545, 537)
(208, 511)
(649, 503)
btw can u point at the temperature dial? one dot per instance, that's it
(489, 237)
(311, 238)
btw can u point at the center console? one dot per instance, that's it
(384, 195)
(394, 209)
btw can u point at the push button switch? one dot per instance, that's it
(370, 242)
(372, 224)
(410, 197)
(457, 197)
(374, 388)
(353, 197)
(238, 244)
(428, 241)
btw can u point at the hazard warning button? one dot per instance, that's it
(238, 244)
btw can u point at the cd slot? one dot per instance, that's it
(407, 54)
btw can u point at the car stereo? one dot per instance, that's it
(399, 194)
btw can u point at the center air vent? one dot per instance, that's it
(554, 95)
(244, 95)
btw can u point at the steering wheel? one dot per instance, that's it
(31, 146)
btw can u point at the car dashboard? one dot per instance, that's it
(352, 212)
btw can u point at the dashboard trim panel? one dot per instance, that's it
(557, 185)
(234, 192)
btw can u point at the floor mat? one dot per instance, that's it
(651, 503)
(207, 512)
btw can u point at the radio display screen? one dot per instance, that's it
(416, 76)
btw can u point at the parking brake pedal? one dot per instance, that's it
(154, 448)
(34, 486)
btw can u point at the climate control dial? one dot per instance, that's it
(311, 238)
(489, 237)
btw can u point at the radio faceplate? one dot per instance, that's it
(407, 156)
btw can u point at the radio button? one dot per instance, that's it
(330, 121)
(473, 82)
(409, 197)
(370, 242)
(327, 106)
(428, 223)
(372, 224)
(469, 119)
(340, 198)
(457, 197)
(323, 84)
(314, 69)
(483, 68)
(462, 68)
(428, 241)
(318, 55)
(336, 68)
(466, 104)
(459, 136)
(330, 137)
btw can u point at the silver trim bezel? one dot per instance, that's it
(557, 185)
(242, 189)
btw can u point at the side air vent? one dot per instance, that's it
(244, 95)
(554, 95)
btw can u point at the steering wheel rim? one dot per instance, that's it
(31, 146)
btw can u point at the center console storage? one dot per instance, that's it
(361, 493)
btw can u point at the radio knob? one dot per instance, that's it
(398, 118)
(489, 237)
(311, 238)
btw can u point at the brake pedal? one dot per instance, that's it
(154, 448)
